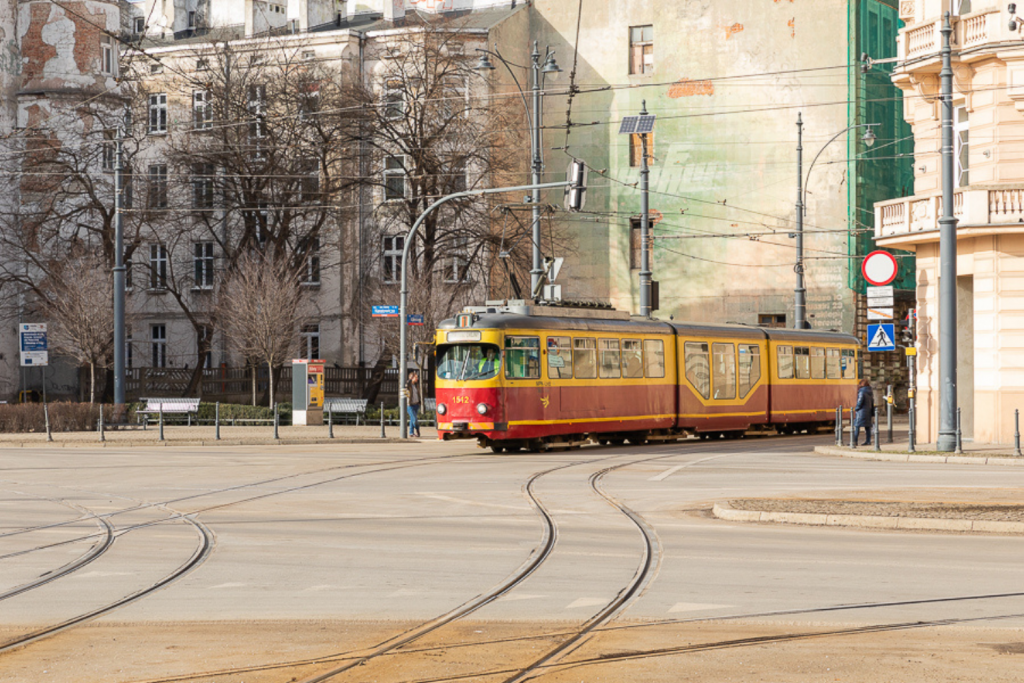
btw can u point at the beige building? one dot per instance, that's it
(988, 62)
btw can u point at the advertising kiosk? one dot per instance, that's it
(307, 392)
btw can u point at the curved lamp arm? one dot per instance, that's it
(807, 178)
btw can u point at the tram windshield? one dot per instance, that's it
(468, 362)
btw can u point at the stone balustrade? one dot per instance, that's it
(923, 39)
(972, 208)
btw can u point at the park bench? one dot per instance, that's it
(346, 406)
(169, 407)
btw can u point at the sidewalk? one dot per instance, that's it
(974, 454)
(177, 435)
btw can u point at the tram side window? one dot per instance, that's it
(584, 358)
(632, 359)
(522, 357)
(832, 370)
(785, 355)
(802, 356)
(559, 358)
(849, 359)
(698, 368)
(750, 367)
(723, 377)
(817, 363)
(609, 349)
(654, 358)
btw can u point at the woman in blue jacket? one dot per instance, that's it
(865, 410)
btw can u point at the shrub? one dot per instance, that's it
(64, 417)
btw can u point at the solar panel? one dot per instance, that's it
(636, 124)
(629, 124)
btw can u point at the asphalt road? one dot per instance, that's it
(407, 534)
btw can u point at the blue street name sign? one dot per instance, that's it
(882, 337)
(414, 319)
(385, 311)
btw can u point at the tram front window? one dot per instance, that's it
(462, 362)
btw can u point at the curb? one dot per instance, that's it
(727, 512)
(203, 442)
(895, 456)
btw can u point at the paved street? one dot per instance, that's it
(278, 564)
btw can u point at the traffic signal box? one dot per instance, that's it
(307, 392)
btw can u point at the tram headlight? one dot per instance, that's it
(441, 409)
(482, 408)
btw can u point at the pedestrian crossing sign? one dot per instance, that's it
(882, 337)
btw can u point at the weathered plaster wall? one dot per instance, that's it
(727, 98)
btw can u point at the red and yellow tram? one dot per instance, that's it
(535, 377)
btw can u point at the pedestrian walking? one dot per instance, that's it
(412, 386)
(865, 408)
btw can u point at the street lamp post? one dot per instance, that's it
(946, 440)
(538, 72)
(119, 268)
(800, 298)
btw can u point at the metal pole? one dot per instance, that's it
(911, 431)
(276, 422)
(330, 423)
(46, 416)
(382, 434)
(853, 438)
(947, 260)
(800, 299)
(216, 419)
(536, 269)
(645, 230)
(888, 412)
(959, 436)
(161, 420)
(1016, 433)
(839, 426)
(403, 365)
(120, 333)
(102, 437)
(878, 433)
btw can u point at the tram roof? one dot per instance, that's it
(515, 321)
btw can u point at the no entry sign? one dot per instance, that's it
(879, 268)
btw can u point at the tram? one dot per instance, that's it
(519, 375)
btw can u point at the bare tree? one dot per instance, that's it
(81, 318)
(260, 309)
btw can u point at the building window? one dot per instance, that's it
(309, 180)
(257, 110)
(109, 152)
(636, 243)
(392, 253)
(310, 343)
(205, 336)
(309, 101)
(203, 176)
(156, 68)
(202, 64)
(394, 178)
(139, 25)
(128, 347)
(309, 250)
(394, 101)
(202, 262)
(771, 320)
(636, 149)
(308, 55)
(192, 19)
(202, 110)
(157, 198)
(108, 56)
(157, 266)
(158, 344)
(961, 7)
(456, 265)
(641, 49)
(158, 113)
(961, 128)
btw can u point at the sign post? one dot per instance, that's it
(34, 348)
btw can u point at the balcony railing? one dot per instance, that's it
(924, 38)
(972, 208)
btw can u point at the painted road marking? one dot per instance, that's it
(667, 473)
(516, 596)
(695, 607)
(588, 602)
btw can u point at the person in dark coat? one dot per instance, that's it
(865, 410)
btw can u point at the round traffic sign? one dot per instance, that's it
(879, 268)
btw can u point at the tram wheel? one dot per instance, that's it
(534, 445)
(495, 448)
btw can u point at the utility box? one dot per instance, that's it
(307, 392)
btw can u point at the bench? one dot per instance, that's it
(169, 406)
(346, 406)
